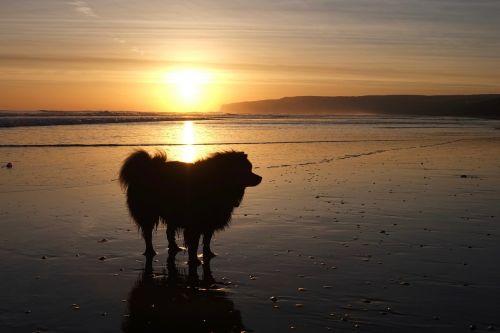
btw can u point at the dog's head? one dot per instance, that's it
(226, 175)
(235, 169)
(240, 171)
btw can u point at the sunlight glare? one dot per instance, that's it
(188, 86)
(188, 139)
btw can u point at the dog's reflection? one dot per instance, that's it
(176, 302)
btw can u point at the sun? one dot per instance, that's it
(188, 87)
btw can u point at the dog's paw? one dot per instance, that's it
(194, 262)
(208, 254)
(149, 253)
(174, 248)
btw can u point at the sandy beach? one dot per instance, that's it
(376, 229)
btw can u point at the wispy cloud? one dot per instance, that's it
(82, 7)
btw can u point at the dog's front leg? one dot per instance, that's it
(192, 239)
(172, 245)
(207, 252)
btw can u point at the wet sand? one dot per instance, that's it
(399, 236)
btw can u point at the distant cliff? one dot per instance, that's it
(484, 106)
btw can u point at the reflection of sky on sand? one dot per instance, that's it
(315, 222)
(188, 138)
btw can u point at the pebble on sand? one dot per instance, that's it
(273, 299)
(102, 258)
(9, 165)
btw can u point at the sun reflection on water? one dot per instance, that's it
(188, 153)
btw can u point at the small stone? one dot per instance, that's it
(301, 289)
(273, 299)
(44, 257)
(299, 305)
(463, 176)
(75, 306)
(356, 326)
(9, 165)
(103, 240)
(104, 314)
(27, 311)
(102, 258)
(472, 327)
(345, 317)
(404, 283)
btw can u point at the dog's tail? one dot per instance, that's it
(138, 168)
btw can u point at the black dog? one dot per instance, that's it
(196, 197)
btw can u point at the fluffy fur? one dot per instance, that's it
(198, 198)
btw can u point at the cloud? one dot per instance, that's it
(82, 7)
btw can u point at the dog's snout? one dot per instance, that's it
(255, 180)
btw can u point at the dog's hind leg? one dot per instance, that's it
(207, 252)
(192, 239)
(172, 245)
(147, 233)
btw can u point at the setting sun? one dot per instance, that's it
(188, 88)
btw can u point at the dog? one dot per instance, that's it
(198, 198)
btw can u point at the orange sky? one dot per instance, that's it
(115, 55)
